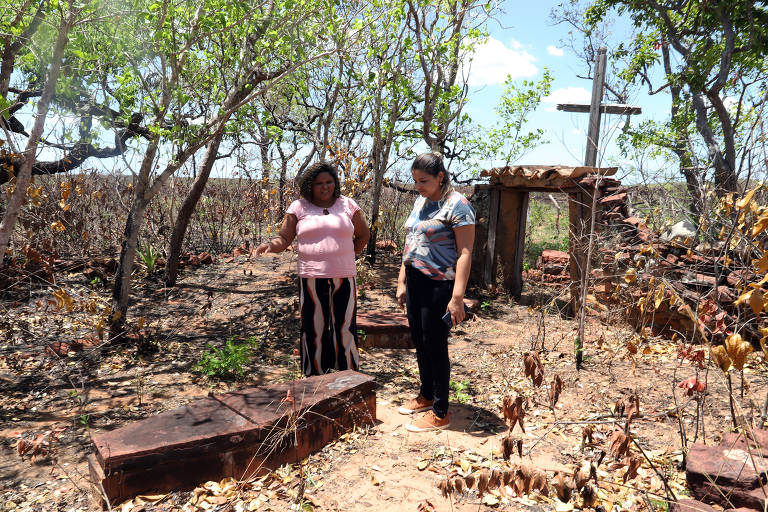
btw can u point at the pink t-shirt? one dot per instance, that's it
(325, 241)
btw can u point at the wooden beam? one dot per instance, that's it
(593, 136)
(605, 108)
(517, 277)
(489, 269)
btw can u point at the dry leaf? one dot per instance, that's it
(738, 350)
(508, 446)
(583, 474)
(633, 407)
(495, 480)
(563, 486)
(507, 476)
(618, 408)
(459, 485)
(633, 464)
(619, 446)
(533, 368)
(692, 385)
(445, 487)
(756, 301)
(586, 435)
(426, 506)
(589, 495)
(554, 391)
(470, 481)
(514, 411)
(720, 357)
(482, 482)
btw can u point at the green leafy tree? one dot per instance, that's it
(507, 140)
(186, 80)
(709, 52)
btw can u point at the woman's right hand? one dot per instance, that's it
(261, 249)
(400, 295)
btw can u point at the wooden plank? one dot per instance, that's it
(489, 268)
(605, 108)
(237, 434)
(516, 288)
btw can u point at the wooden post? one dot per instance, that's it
(516, 289)
(513, 211)
(489, 269)
(579, 215)
(593, 135)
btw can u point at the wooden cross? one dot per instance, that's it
(595, 108)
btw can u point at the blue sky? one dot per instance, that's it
(523, 42)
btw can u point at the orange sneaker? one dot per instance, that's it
(428, 422)
(418, 404)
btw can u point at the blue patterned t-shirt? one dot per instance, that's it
(430, 244)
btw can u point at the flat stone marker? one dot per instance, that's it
(238, 434)
(732, 475)
(383, 330)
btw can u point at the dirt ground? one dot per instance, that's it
(100, 387)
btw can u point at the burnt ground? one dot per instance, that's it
(70, 395)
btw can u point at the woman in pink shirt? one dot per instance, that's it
(330, 230)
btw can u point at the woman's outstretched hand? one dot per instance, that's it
(261, 249)
(456, 308)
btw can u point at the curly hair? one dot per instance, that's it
(432, 164)
(310, 174)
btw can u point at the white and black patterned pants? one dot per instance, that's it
(328, 328)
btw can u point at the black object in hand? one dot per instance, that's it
(447, 319)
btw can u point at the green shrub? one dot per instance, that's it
(227, 362)
(148, 257)
(461, 390)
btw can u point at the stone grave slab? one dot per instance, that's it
(383, 330)
(688, 505)
(238, 434)
(727, 475)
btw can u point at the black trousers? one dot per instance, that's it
(426, 302)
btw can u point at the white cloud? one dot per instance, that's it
(730, 102)
(493, 61)
(568, 95)
(554, 50)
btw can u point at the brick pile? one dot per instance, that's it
(632, 260)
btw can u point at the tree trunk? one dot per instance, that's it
(725, 177)
(25, 172)
(281, 188)
(186, 210)
(122, 285)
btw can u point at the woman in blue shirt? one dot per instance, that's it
(433, 278)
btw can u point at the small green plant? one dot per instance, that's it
(96, 281)
(484, 305)
(461, 390)
(149, 257)
(229, 361)
(84, 420)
